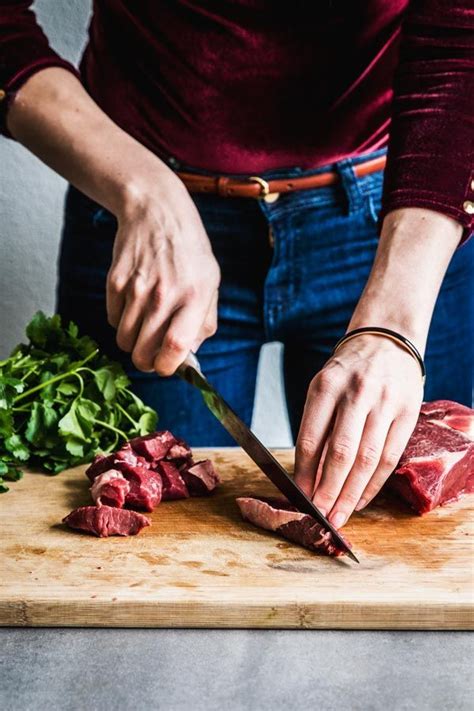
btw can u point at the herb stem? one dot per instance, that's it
(124, 412)
(56, 378)
(111, 427)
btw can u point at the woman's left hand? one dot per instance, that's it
(360, 411)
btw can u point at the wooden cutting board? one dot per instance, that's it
(200, 565)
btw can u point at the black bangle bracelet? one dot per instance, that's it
(388, 333)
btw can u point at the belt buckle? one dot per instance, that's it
(264, 186)
(265, 193)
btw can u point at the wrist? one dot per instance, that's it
(413, 254)
(139, 191)
(402, 320)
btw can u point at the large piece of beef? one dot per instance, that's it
(276, 514)
(438, 463)
(106, 521)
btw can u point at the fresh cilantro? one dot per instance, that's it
(62, 402)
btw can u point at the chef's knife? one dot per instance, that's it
(190, 371)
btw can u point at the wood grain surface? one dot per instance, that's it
(200, 565)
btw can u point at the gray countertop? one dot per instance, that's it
(76, 669)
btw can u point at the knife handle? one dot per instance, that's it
(190, 361)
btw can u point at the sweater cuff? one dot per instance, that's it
(441, 185)
(13, 85)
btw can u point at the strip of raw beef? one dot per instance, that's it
(110, 489)
(201, 478)
(438, 463)
(174, 486)
(145, 487)
(106, 521)
(275, 514)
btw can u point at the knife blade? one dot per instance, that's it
(191, 372)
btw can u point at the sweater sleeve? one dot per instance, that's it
(431, 149)
(24, 50)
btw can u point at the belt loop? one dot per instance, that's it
(222, 185)
(351, 185)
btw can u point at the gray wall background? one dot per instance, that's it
(31, 203)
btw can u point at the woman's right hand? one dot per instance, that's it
(163, 282)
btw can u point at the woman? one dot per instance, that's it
(226, 162)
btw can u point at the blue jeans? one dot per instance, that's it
(292, 271)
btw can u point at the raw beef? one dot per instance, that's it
(125, 455)
(110, 489)
(106, 521)
(140, 474)
(201, 478)
(446, 413)
(145, 487)
(438, 463)
(154, 446)
(275, 514)
(173, 483)
(180, 454)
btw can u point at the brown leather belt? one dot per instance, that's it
(256, 187)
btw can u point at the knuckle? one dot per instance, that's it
(123, 342)
(141, 362)
(174, 343)
(112, 317)
(340, 451)
(116, 282)
(210, 329)
(349, 499)
(368, 457)
(373, 488)
(306, 447)
(189, 292)
(325, 497)
(164, 370)
(326, 381)
(138, 287)
(390, 459)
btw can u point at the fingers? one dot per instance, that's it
(342, 449)
(179, 338)
(209, 326)
(395, 443)
(315, 424)
(131, 321)
(365, 464)
(115, 297)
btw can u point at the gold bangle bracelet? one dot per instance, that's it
(387, 333)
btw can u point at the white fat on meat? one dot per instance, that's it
(461, 423)
(101, 480)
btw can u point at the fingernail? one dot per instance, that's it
(338, 519)
(361, 504)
